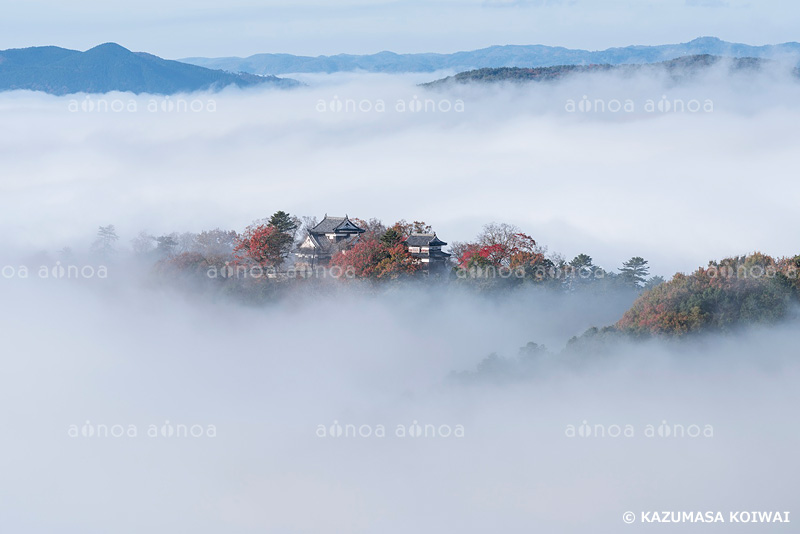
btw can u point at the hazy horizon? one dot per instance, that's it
(241, 28)
(403, 52)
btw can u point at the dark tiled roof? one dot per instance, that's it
(323, 245)
(424, 240)
(330, 225)
(431, 254)
(439, 254)
(317, 244)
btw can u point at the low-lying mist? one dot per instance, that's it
(129, 407)
(675, 187)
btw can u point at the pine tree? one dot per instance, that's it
(634, 271)
(391, 237)
(582, 260)
(166, 245)
(283, 222)
(104, 242)
(653, 282)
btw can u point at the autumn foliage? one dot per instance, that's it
(740, 290)
(262, 244)
(186, 262)
(516, 251)
(376, 259)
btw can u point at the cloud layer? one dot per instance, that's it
(621, 178)
(285, 410)
(128, 407)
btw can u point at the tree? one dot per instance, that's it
(397, 262)
(509, 239)
(284, 222)
(267, 243)
(143, 243)
(482, 256)
(503, 234)
(186, 242)
(496, 247)
(737, 291)
(634, 271)
(185, 262)
(416, 227)
(582, 271)
(458, 248)
(216, 242)
(375, 259)
(534, 265)
(391, 237)
(582, 260)
(286, 228)
(104, 242)
(262, 244)
(653, 281)
(167, 245)
(373, 228)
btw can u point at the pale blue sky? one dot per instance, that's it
(180, 28)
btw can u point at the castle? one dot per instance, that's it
(330, 236)
(336, 234)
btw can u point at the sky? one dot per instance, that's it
(176, 29)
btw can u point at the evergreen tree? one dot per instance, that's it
(104, 242)
(582, 260)
(166, 245)
(282, 240)
(283, 222)
(583, 270)
(391, 237)
(143, 244)
(634, 271)
(654, 281)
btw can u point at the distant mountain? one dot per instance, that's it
(678, 69)
(110, 67)
(492, 57)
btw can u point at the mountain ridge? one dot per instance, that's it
(110, 67)
(492, 57)
(677, 69)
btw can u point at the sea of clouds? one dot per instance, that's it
(678, 188)
(131, 407)
(127, 408)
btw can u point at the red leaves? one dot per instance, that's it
(519, 250)
(483, 256)
(373, 259)
(262, 244)
(734, 291)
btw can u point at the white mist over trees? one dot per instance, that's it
(134, 403)
(514, 155)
